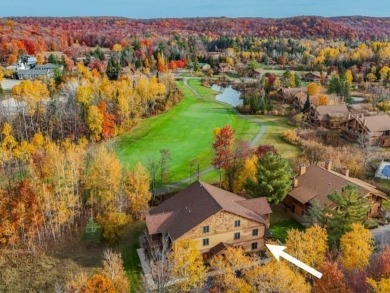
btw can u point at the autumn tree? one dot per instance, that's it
(227, 265)
(382, 286)
(33, 93)
(223, 148)
(263, 149)
(136, 189)
(273, 178)
(313, 89)
(108, 122)
(308, 246)
(95, 121)
(187, 264)
(113, 269)
(103, 178)
(276, 276)
(332, 280)
(356, 247)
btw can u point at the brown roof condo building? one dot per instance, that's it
(316, 183)
(328, 116)
(211, 216)
(375, 130)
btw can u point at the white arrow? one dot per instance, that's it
(277, 251)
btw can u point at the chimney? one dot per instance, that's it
(328, 165)
(345, 172)
(302, 169)
(349, 116)
(364, 122)
(295, 182)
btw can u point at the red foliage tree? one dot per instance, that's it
(223, 147)
(263, 149)
(108, 126)
(331, 281)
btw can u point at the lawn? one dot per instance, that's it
(128, 246)
(273, 135)
(281, 222)
(205, 92)
(186, 131)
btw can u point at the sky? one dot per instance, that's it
(194, 8)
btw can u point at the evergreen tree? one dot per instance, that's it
(273, 178)
(307, 104)
(92, 232)
(113, 68)
(314, 215)
(52, 59)
(298, 81)
(347, 208)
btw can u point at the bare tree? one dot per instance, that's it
(160, 265)
(153, 166)
(165, 157)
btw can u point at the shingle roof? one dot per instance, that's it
(317, 183)
(191, 206)
(376, 123)
(333, 110)
(258, 205)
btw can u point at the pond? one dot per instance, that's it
(227, 95)
(357, 100)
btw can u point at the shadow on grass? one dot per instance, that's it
(131, 262)
(281, 222)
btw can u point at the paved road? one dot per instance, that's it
(253, 142)
(382, 236)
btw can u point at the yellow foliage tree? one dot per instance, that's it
(309, 246)
(31, 92)
(112, 223)
(356, 247)
(382, 286)
(187, 265)
(98, 283)
(247, 172)
(276, 277)
(349, 76)
(103, 179)
(40, 59)
(323, 100)
(233, 259)
(136, 189)
(95, 121)
(84, 95)
(8, 143)
(313, 89)
(117, 48)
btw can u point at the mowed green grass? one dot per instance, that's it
(273, 135)
(281, 223)
(185, 130)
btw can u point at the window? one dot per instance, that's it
(254, 245)
(205, 242)
(236, 235)
(206, 229)
(237, 223)
(255, 232)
